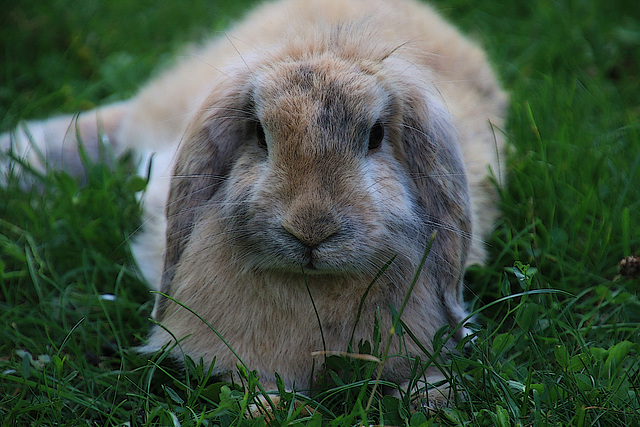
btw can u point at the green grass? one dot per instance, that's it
(558, 328)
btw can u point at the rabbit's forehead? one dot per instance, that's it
(325, 92)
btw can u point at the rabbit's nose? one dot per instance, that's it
(311, 228)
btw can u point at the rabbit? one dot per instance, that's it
(293, 158)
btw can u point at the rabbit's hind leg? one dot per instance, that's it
(54, 143)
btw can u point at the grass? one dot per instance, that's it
(557, 335)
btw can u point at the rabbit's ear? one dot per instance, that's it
(205, 158)
(433, 157)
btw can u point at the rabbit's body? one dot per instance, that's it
(310, 145)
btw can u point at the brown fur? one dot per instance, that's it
(252, 230)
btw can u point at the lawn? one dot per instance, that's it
(557, 331)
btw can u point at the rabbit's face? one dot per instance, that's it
(322, 167)
(318, 186)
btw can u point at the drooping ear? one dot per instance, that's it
(433, 157)
(205, 158)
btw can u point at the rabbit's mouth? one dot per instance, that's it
(333, 255)
(315, 267)
(310, 267)
(325, 260)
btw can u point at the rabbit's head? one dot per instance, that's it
(324, 166)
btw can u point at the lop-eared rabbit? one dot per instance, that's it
(295, 156)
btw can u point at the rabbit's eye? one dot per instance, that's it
(262, 140)
(376, 135)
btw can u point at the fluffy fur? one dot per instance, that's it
(297, 154)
